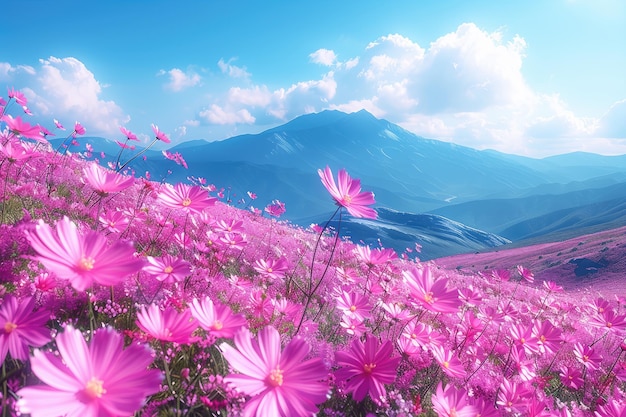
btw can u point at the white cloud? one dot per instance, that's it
(219, 116)
(231, 70)
(179, 80)
(65, 89)
(613, 123)
(257, 96)
(323, 56)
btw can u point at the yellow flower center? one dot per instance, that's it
(275, 378)
(347, 199)
(217, 325)
(446, 364)
(353, 308)
(168, 269)
(86, 263)
(94, 388)
(186, 202)
(269, 270)
(429, 298)
(369, 367)
(9, 327)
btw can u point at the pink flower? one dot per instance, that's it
(19, 97)
(271, 269)
(452, 402)
(450, 364)
(587, 356)
(367, 367)
(82, 258)
(168, 325)
(21, 327)
(526, 274)
(129, 135)
(23, 129)
(279, 383)
(105, 181)
(160, 135)
(58, 124)
(347, 193)
(114, 221)
(78, 129)
(219, 320)
(430, 293)
(276, 208)
(99, 380)
(190, 199)
(353, 304)
(167, 268)
(377, 256)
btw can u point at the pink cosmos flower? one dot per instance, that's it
(82, 258)
(271, 269)
(609, 320)
(21, 327)
(217, 319)
(78, 129)
(587, 356)
(429, 293)
(167, 268)
(367, 367)
(614, 408)
(347, 193)
(280, 384)
(276, 208)
(452, 402)
(353, 304)
(105, 181)
(526, 274)
(129, 135)
(114, 221)
(99, 380)
(160, 135)
(450, 364)
(548, 337)
(377, 256)
(18, 151)
(169, 325)
(58, 125)
(21, 128)
(18, 96)
(571, 377)
(190, 199)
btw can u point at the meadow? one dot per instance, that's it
(124, 296)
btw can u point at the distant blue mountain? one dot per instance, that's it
(504, 195)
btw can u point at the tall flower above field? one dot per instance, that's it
(23, 129)
(347, 193)
(430, 293)
(280, 384)
(102, 379)
(82, 258)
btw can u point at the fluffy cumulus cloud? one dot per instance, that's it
(180, 80)
(324, 57)
(232, 70)
(63, 88)
(221, 116)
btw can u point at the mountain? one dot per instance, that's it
(512, 197)
(436, 235)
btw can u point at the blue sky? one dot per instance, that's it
(533, 78)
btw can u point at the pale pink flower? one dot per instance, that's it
(609, 320)
(353, 325)
(218, 319)
(58, 125)
(18, 96)
(190, 199)
(367, 367)
(280, 384)
(99, 380)
(169, 325)
(377, 256)
(430, 293)
(82, 258)
(501, 274)
(21, 327)
(452, 402)
(347, 193)
(160, 135)
(526, 274)
(271, 269)
(167, 268)
(104, 181)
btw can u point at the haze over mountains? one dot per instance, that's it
(448, 198)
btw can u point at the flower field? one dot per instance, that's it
(122, 296)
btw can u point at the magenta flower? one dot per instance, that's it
(276, 208)
(271, 269)
(58, 124)
(129, 135)
(99, 380)
(105, 181)
(190, 199)
(217, 319)
(367, 367)
(78, 130)
(450, 364)
(347, 193)
(18, 96)
(452, 402)
(21, 327)
(82, 258)
(23, 129)
(526, 274)
(160, 135)
(168, 325)
(587, 356)
(279, 383)
(429, 293)
(167, 268)
(353, 304)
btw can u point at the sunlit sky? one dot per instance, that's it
(532, 78)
